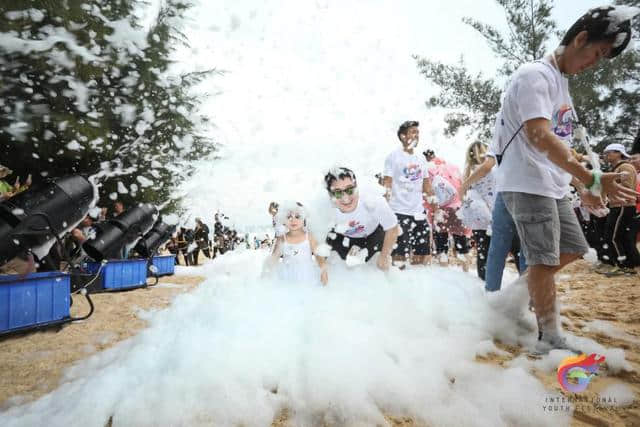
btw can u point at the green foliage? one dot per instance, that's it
(606, 99)
(85, 89)
(475, 100)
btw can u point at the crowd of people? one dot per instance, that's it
(532, 191)
(529, 192)
(187, 243)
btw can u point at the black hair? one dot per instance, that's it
(429, 153)
(601, 26)
(404, 128)
(338, 173)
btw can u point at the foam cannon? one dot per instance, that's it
(119, 232)
(32, 219)
(150, 242)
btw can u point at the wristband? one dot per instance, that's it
(595, 187)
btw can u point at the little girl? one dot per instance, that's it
(296, 247)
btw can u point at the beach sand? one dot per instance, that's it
(32, 363)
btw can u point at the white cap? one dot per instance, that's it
(617, 147)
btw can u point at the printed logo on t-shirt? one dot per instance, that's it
(412, 172)
(354, 228)
(562, 122)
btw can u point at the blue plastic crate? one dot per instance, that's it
(34, 300)
(121, 273)
(165, 264)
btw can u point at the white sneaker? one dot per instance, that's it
(554, 342)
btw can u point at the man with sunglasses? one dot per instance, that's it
(407, 183)
(537, 164)
(364, 224)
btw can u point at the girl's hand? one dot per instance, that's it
(324, 277)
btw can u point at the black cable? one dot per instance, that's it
(84, 292)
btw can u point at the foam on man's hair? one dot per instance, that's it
(338, 172)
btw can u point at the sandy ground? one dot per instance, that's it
(33, 363)
(585, 297)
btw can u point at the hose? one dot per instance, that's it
(84, 293)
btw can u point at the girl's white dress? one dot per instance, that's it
(297, 264)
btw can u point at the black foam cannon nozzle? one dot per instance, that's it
(33, 217)
(124, 230)
(159, 234)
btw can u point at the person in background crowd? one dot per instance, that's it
(279, 229)
(504, 238)
(118, 208)
(7, 190)
(201, 236)
(85, 231)
(446, 181)
(478, 198)
(87, 226)
(407, 186)
(622, 252)
(635, 161)
(183, 245)
(172, 247)
(364, 224)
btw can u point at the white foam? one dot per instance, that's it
(370, 343)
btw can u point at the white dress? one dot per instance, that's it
(297, 264)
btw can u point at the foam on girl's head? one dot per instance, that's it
(290, 207)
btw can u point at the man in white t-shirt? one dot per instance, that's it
(537, 164)
(364, 224)
(407, 183)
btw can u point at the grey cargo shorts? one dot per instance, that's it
(547, 227)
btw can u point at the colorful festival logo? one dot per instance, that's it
(562, 122)
(412, 172)
(575, 372)
(354, 228)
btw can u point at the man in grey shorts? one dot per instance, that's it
(535, 127)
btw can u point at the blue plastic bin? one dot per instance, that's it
(165, 264)
(34, 300)
(121, 273)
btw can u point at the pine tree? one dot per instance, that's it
(86, 90)
(605, 98)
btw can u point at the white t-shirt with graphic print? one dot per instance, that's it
(537, 90)
(407, 172)
(372, 210)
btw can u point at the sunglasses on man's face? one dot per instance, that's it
(338, 194)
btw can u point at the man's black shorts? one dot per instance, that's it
(373, 243)
(414, 238)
